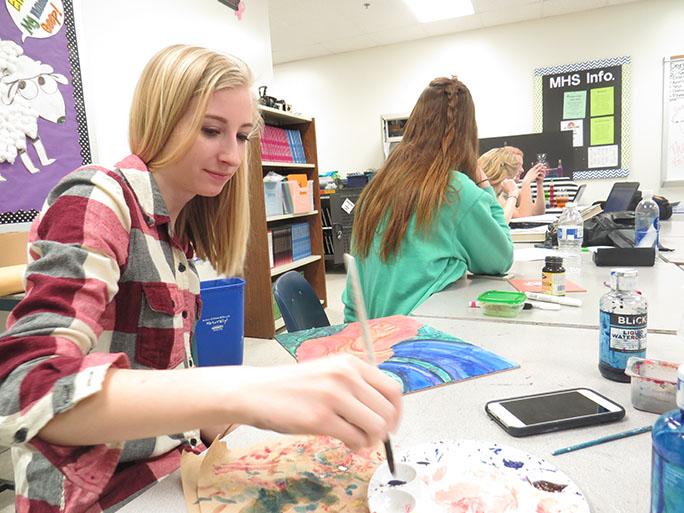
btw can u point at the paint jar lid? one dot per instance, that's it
(623, 279)
(680, 387)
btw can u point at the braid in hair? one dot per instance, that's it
(453, 91)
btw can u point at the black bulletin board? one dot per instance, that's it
(556, 145)
(588, 101)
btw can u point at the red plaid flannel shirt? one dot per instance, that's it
(108, 284)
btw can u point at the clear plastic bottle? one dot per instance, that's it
(570, 234)
(647, 222)
(667, 468)
(622, 325)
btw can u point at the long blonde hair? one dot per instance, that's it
(440, 136)
(500, 164)
(217, 227)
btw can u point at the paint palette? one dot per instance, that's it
(465, 476)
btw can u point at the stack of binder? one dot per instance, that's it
(301, 241)
(282, 145)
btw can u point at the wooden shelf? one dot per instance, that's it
(294, 265)
(276, 116)
(287, 165)
(259, 277)
(291, 216)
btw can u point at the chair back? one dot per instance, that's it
(298, 303)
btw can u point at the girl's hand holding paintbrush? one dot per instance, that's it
(339, 396)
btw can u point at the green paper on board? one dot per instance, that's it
(602, 102)
(574, 104)
(602, 130)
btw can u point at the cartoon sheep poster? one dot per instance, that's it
(43, 133)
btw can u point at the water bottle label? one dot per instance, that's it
(621, 336)
(570, 232)
(667, 483)
(647, 236)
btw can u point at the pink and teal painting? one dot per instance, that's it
(413, 353)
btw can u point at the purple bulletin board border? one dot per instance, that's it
(20, 215)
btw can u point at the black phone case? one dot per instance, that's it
(560, 424)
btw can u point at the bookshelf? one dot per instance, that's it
(259, 276)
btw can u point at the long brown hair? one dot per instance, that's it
(440, 136)
(217, 227)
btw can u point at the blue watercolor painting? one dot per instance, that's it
(414, 354)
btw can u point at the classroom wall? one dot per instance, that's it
(348, 93)
(116, 39)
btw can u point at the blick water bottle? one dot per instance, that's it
(570, 234)
(647, 222)
(623, 323)
(667, 460)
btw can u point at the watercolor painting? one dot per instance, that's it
(287, 474)
(465, 476)
(414, 354)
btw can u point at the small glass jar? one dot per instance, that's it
(553, 276)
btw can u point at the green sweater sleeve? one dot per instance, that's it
(485, 236)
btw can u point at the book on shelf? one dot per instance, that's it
(269, 235)
(282, 245)
(294, 138)
(301, 240)
(282, 145)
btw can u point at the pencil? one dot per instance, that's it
(603, 440)
(366, 335)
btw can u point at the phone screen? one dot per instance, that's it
(565, 405)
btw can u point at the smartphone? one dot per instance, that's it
(553, 411)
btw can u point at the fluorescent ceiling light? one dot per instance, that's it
(433, 10)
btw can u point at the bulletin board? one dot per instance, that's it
(45, 134)
(672, 159)
(556, 145)
(588, 99)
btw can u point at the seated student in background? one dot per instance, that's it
(505, 165)
(98, 397)
(429, 215)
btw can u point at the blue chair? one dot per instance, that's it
(298, 303)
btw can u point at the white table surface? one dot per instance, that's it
(662, 284)
(614, 477)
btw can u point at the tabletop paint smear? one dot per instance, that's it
(287, 474)
(413, 353)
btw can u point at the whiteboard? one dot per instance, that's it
(672, 158)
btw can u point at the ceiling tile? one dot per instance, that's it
(302, 29)
(399, 34)
(558, 7)
(437, 28)
(512, 14)
(492, 5)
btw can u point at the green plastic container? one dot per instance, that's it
(501, 303)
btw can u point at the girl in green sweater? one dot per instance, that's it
(429, 214)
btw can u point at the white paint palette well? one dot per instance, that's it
(465, 476)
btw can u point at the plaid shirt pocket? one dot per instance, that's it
(160, 342)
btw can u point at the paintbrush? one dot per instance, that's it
(362, 317)
(603, 440)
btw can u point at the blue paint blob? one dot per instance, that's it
(513, 464)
